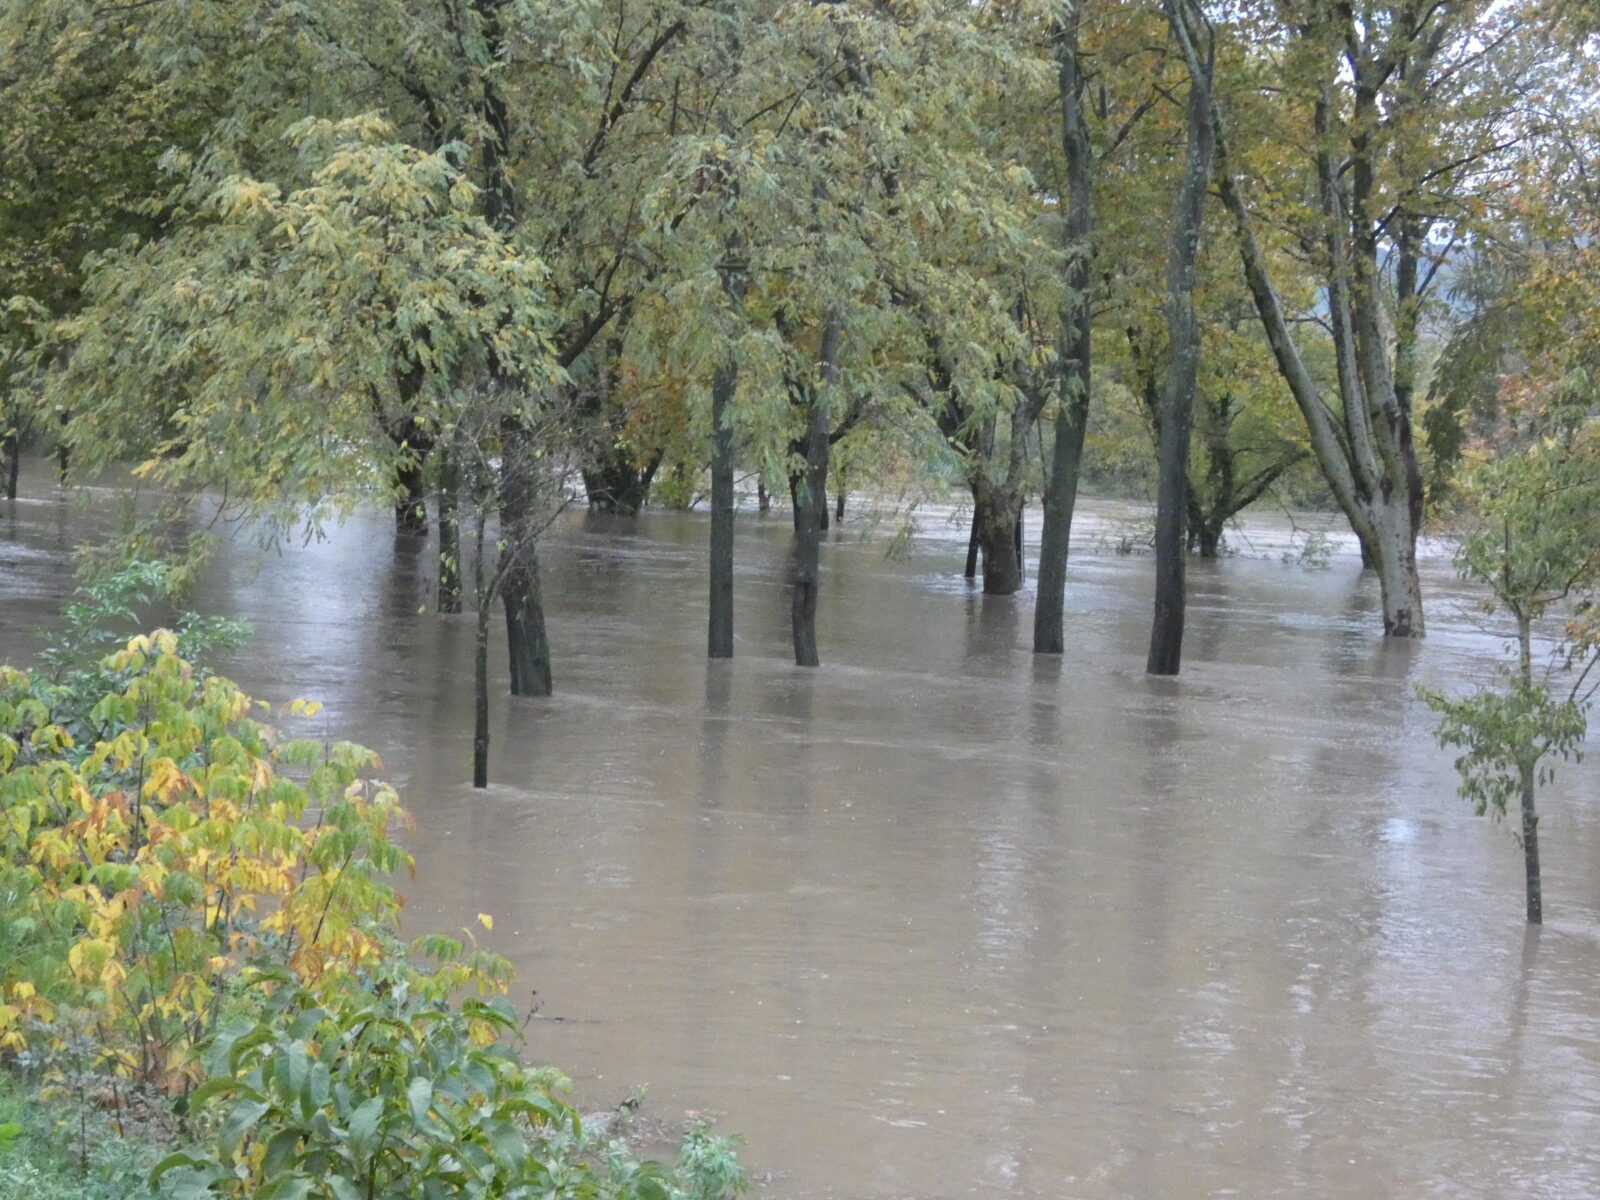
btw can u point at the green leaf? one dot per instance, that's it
(364, 1129)
(244, 1115)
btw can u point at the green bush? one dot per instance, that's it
(397, 1093)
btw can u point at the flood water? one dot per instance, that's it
(941, 919)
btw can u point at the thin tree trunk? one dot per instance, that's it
(970, 571)
(480, 676)
(719, 637)
(838, 504)
(1072, 417)
(1177, 401)
(763, 497)
(13, 463)
(1530, 847)
(1527, 769)
(811, 496)
(1022, 559)
(449, 599)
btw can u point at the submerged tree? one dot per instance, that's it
(1538, 506)
(1406, 112)
(1194, 36)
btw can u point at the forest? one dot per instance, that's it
(483, 263)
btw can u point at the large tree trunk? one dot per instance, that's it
(1177, 400)
(1394, 542)
(1072, 418)
(798, 483)
(811, 500)
(411, 497)
(719, 635)
(526, 642)
(995, 512)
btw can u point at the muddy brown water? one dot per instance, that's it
(941, 919)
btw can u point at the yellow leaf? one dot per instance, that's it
(486, 920)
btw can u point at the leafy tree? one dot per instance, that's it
(1405, 110)
(1537, 506)
(256, 347)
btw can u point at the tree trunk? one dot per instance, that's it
(449, 598)
(970, 571)
(1530, 846)
(480, 674)
(1072, 418)
(411, 497)
(1528, 769)
(619, 485)
(63, 452)
(838, 504)
(13, 463)
(994, 527)
(526, 643)
(1393, 540)
(763, 497)
(1177, 400)
(811, 500)
(797, 486)
(719, 636)
(1022, 559)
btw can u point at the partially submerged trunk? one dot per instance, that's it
(526, 641)
(616, 483)
(12, 446)
(411, 497)
(1530, 846)
(1183, 331)
(480, 661)
(1528, 772)
(413, 442)
(1364, 444)
(811, 499)
(1073, 362)
(798, 483)
(1222, 492)
(449, 598)
(996, 512)
(719, 635)
(527, 645)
